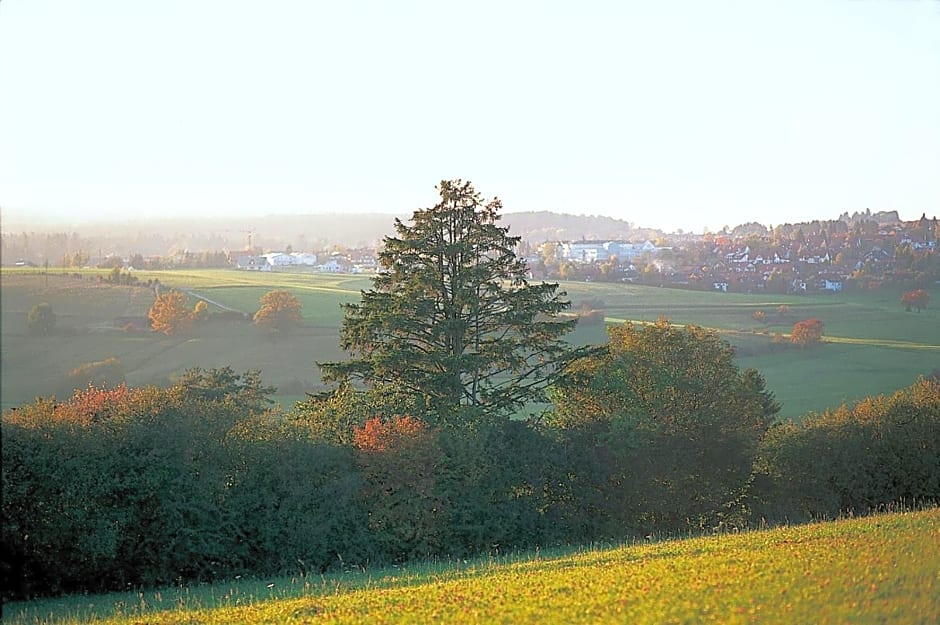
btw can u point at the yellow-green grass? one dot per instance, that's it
(879, 569)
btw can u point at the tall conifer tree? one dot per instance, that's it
(452, 318)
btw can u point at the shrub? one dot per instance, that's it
(398, 459)
(807, 332)
(916, 299)
(882, 450)
(107, 373)
(41, 320)
(590, 316)
(294, 503)
(125, 486)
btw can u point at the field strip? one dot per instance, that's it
(885, 343)
(880, 343)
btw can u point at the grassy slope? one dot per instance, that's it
(874, 346)
(874, 570)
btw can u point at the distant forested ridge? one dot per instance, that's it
(167, 237)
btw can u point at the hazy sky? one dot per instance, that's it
(666, 114)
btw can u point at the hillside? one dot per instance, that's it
(868, 570)
(541, 226)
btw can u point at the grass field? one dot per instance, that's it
(872, 345)
(880, 569)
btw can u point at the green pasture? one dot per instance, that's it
(871, 344)
(86, 332)
(880, 569)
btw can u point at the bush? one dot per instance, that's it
(124, 486)
(295, 503)
(41, 320)
(107, 373)
(916, 299)
(882, 450)
(591, 316)
(807, 332)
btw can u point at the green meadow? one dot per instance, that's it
(878, 569)
(871, 344)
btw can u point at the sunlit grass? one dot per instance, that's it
(878, 569)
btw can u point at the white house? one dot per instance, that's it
(253, 263)
(278, 259)
(303, 258)
(593, 251)
(629, 251)
(583, 251)
(331, 266)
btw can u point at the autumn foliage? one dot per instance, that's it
(807, 332)
(280, 310)
(169, 313)
(916, 299)
(379, 434)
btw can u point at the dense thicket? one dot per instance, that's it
(127, 487)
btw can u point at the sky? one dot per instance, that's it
(672, 115)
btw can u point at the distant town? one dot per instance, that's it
(860, 251)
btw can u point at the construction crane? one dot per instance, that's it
(249, 232)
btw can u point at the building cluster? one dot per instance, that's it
(359, 261)
(817, 257)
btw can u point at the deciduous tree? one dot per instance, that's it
(200, 311)
(41, 319)
(676, 418)
(916, 299)
(807, 332)
(279, 311)
(169, 313)
(451, 316)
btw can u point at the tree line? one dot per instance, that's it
(429, 443)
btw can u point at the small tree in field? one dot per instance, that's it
(280, 310)
(169, 313)
(916, 299)
(41, 319)
(807, 332)
(200, 311)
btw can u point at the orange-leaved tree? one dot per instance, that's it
(200, 311)
(169, 313)
(280, 310)
(918, 299)
(807, 332)
(381, 435)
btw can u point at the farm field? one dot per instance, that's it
(879, 569)
(872, 345)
